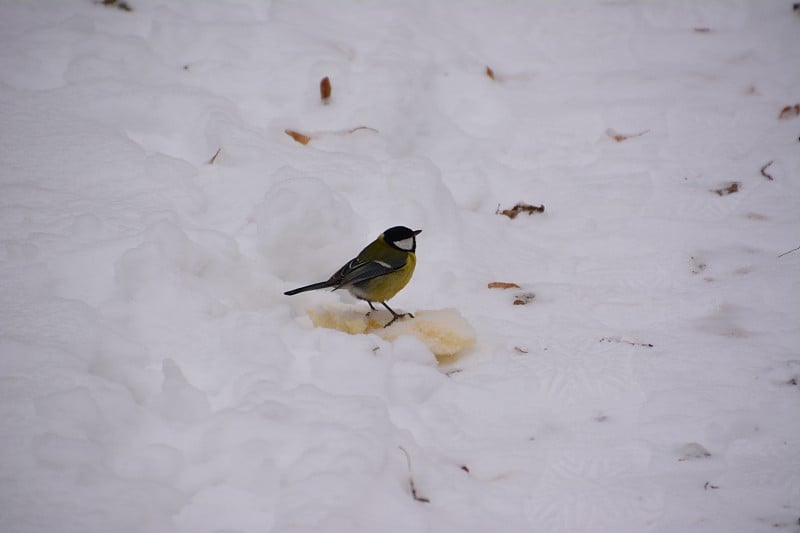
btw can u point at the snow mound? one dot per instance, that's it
(444, 331)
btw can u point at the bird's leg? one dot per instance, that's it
(394, 315)
(372, 308)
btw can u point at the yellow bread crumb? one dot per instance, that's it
(443, 331)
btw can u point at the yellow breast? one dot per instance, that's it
(383, 288)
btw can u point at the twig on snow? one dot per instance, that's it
(619, 137)
(764, 171)
(215, 156)
(353, 130)
(122, 5)
(790, 251)
(411, 479)
(626, 341)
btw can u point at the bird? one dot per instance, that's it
(378, 272)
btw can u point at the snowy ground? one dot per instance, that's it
(154, 378)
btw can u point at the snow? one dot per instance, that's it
(155, 378)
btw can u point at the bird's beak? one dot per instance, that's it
(417, 231)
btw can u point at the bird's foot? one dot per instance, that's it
(396, 316)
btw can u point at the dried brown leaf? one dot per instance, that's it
(728, 189)
(524, 298)
(789, 111)
(297, 136)
(521, 207)
(325, 89)
(489, 72)
(520, 349)
(503, 285)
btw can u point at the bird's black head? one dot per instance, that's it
(402, 238)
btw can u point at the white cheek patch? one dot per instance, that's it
(405, 244)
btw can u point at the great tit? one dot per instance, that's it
(378, 272)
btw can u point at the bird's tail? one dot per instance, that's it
(312, 287)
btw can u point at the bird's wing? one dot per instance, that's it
(357, 271)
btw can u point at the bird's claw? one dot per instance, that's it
(401, 315)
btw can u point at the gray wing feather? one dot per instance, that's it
(356, 272)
